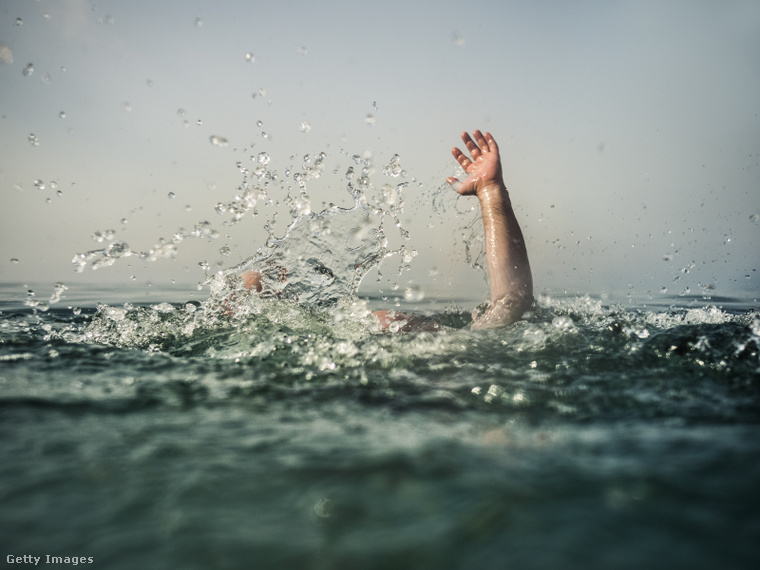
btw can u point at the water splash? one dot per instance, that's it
(101, 257)
(57, 294)
(321, 257)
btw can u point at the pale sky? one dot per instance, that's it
(630, 131)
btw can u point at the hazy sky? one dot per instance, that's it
(630, 131)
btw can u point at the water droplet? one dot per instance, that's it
(28, 70)
(30, 300)
(39, 184)
(45, 78)
(163, 308)
(6, 55)
(250, 57)
(370, 119)
(19, 22)
(305, 126)
(301, 50)
(664, 290)
(58, 291)
(755, 218)
(263, 158)
(218, 141)
(301, 206)
(62, 115)
(393, 168)
(14, 259)
(414, 294)
(264, 135)
(106, 235)
(225, 250)
(199, 122)
(259, 124)
(170, 195)
(458, 40)
(33, 140)
(126, 106)
(198, 22)
(181, 112)
(149, 83)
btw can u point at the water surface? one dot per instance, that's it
(597, 433)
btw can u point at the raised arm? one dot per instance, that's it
(506, 256)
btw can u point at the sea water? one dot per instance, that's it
(589, 435)
(162, 428)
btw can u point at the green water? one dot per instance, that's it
(590, 435)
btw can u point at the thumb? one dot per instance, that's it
(455, 184)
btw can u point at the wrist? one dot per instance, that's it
(493, 194)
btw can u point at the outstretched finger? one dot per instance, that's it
(481, 141)
(461, 158)
(471, 145)
(492, 146)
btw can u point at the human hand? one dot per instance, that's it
(483, 169)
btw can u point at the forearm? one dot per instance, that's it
(506, 255)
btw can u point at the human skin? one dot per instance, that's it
(509, 272)
(252, 280)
